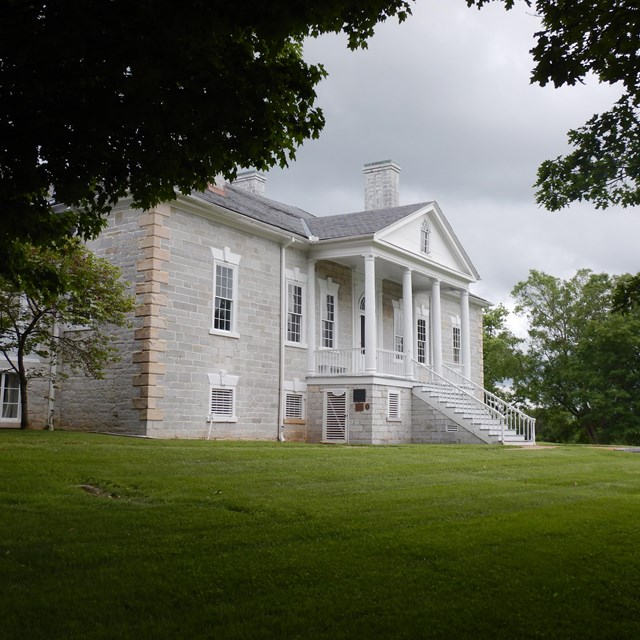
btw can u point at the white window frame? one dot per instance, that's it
(425, 343)
(425, 237)
(222, 381)
(300, 342)
(225, 258)
(398, 328)
(4, 376)
(394, 413)
(328, 288)
(456, 342)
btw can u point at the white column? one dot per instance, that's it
(311, 317)
(407, 309)
(465, 334)
(436, 326)
(370, 337)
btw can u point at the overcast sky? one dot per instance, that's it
(447, 96)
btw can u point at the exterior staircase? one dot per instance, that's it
(473, 408)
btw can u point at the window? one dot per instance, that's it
(328, 313)
(456, 344)
(294, 406)
(10, 396)
(393, 406)
(422, 340)
(294, 312)
(425, 236)
(225, 291)
(329, 321)
(223, 306)
(398, 327)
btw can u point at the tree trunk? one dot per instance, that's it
(592, 433)
(24, 407)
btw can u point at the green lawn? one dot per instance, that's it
(182, 539)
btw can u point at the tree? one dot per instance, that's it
(581, 38)
(106, 98)
(608, 361)
(86, 297)
(626, 295)
(501, 353)
(582, 367)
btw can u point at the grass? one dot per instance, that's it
(104, 537)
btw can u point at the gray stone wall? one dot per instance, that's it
(83, 403)
(431, 427)
(385, 430)
(369, 425)
(193, 351)
(477, 361)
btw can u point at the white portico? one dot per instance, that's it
(388, 340)
(395, 353)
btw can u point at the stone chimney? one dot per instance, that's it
(381, 185)
(250, 181)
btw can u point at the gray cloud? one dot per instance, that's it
(447, 96)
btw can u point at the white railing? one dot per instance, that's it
(391, 363)
(509, 416)
(341, 362)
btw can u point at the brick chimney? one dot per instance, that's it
(250, 181)
(381, 185)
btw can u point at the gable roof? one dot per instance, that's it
(259, 208)
(304, 224)
(360, 223)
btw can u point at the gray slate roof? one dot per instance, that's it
(258, 208)
(361, 223)
(300, 222)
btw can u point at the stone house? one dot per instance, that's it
(257, 320)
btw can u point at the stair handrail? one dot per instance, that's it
(515, 418)
(435, 376)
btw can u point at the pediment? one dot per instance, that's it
(444, 247)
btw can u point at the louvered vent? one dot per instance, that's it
(451, 428)
(394, 406)
(335, 428)
(293, 406)
(222, 403)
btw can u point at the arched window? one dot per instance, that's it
(425, 233)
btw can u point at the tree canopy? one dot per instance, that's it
(107, 98)
(578, 39)
(502, 357)
(581, 365)
(67, 322)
